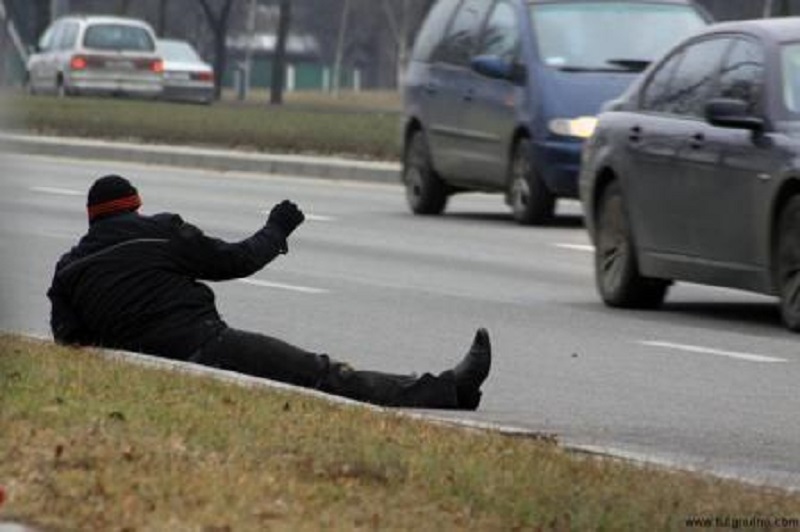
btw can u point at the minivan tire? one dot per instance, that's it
(616, 270)
(788, 263)
(426, 193)
(532, 203)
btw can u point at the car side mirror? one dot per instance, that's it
(727, 112)
(495, 67)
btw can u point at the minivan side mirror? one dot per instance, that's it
(728, 112)
(493, 66)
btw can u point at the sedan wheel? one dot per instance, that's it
(788, 263)
(425, 191)
(531, 201)
(616, 271)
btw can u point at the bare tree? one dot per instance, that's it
(279, 59)
(218, 22)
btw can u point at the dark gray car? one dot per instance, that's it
(694, 174)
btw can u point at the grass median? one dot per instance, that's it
(364, 127)
(94, 444)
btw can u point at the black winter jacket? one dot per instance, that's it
(132, 283)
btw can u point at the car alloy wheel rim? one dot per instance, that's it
(520, 190)
(614, 247)
(791, 296)
(414, 184)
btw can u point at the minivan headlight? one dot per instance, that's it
(581, 127)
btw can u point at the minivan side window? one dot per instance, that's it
(68, 36)
(49, 40)
(742, 75)
(501, 34)
(459, 41)
(432, 31)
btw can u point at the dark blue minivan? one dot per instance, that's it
(499, 94)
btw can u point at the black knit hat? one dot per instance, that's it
(110, 195)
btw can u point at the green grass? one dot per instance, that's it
(93, 444)
(355, 125)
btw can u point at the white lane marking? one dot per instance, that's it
(711, 351)
(576, 247)
(312, 217)
(320, 218)
(58, 191)
(282, 286)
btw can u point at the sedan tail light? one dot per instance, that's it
(203, 76)
(157, 66)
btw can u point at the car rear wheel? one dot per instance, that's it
(426, 193)
(531, 201)
(616, 271)
(788, 263)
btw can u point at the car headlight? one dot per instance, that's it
(581, 127)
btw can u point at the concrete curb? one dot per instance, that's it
(207, 158)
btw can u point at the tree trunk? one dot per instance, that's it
(162, 18)
(279, 58)
(219, 27)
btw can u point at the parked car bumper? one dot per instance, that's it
(188, 91)
(559, 162)
(148, 86)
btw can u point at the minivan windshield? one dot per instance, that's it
(609, 36)
(118, 37)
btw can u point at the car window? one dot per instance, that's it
(118, 37)
(590, 35)
(655, 90)
(68, 36)
(692, 82)
(501, 34)
(742, 74)
(178, 51)
(50, 37)
(432, 31)
(459, 41)
(790, 72)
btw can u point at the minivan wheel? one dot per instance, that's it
(616, 271)
(426, 193)
(788, 263)
(531, 201)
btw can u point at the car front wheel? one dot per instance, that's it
(426, 193)
(788, 263)
(531, 201)
(616, 271)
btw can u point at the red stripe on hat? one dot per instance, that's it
(128, 203)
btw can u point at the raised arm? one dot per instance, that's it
(213, 259)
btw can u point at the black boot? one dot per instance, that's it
(472, 371)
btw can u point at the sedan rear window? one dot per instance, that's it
(118, 37)
(609, 35)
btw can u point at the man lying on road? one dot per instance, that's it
(132, 283)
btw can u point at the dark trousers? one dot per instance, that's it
(262, 356)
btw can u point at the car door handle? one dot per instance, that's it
(469, 95)
(697, 142)
(431, 88)
(635, 134)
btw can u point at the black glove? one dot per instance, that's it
(287, 216)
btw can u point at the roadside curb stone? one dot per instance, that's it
(335, 168)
